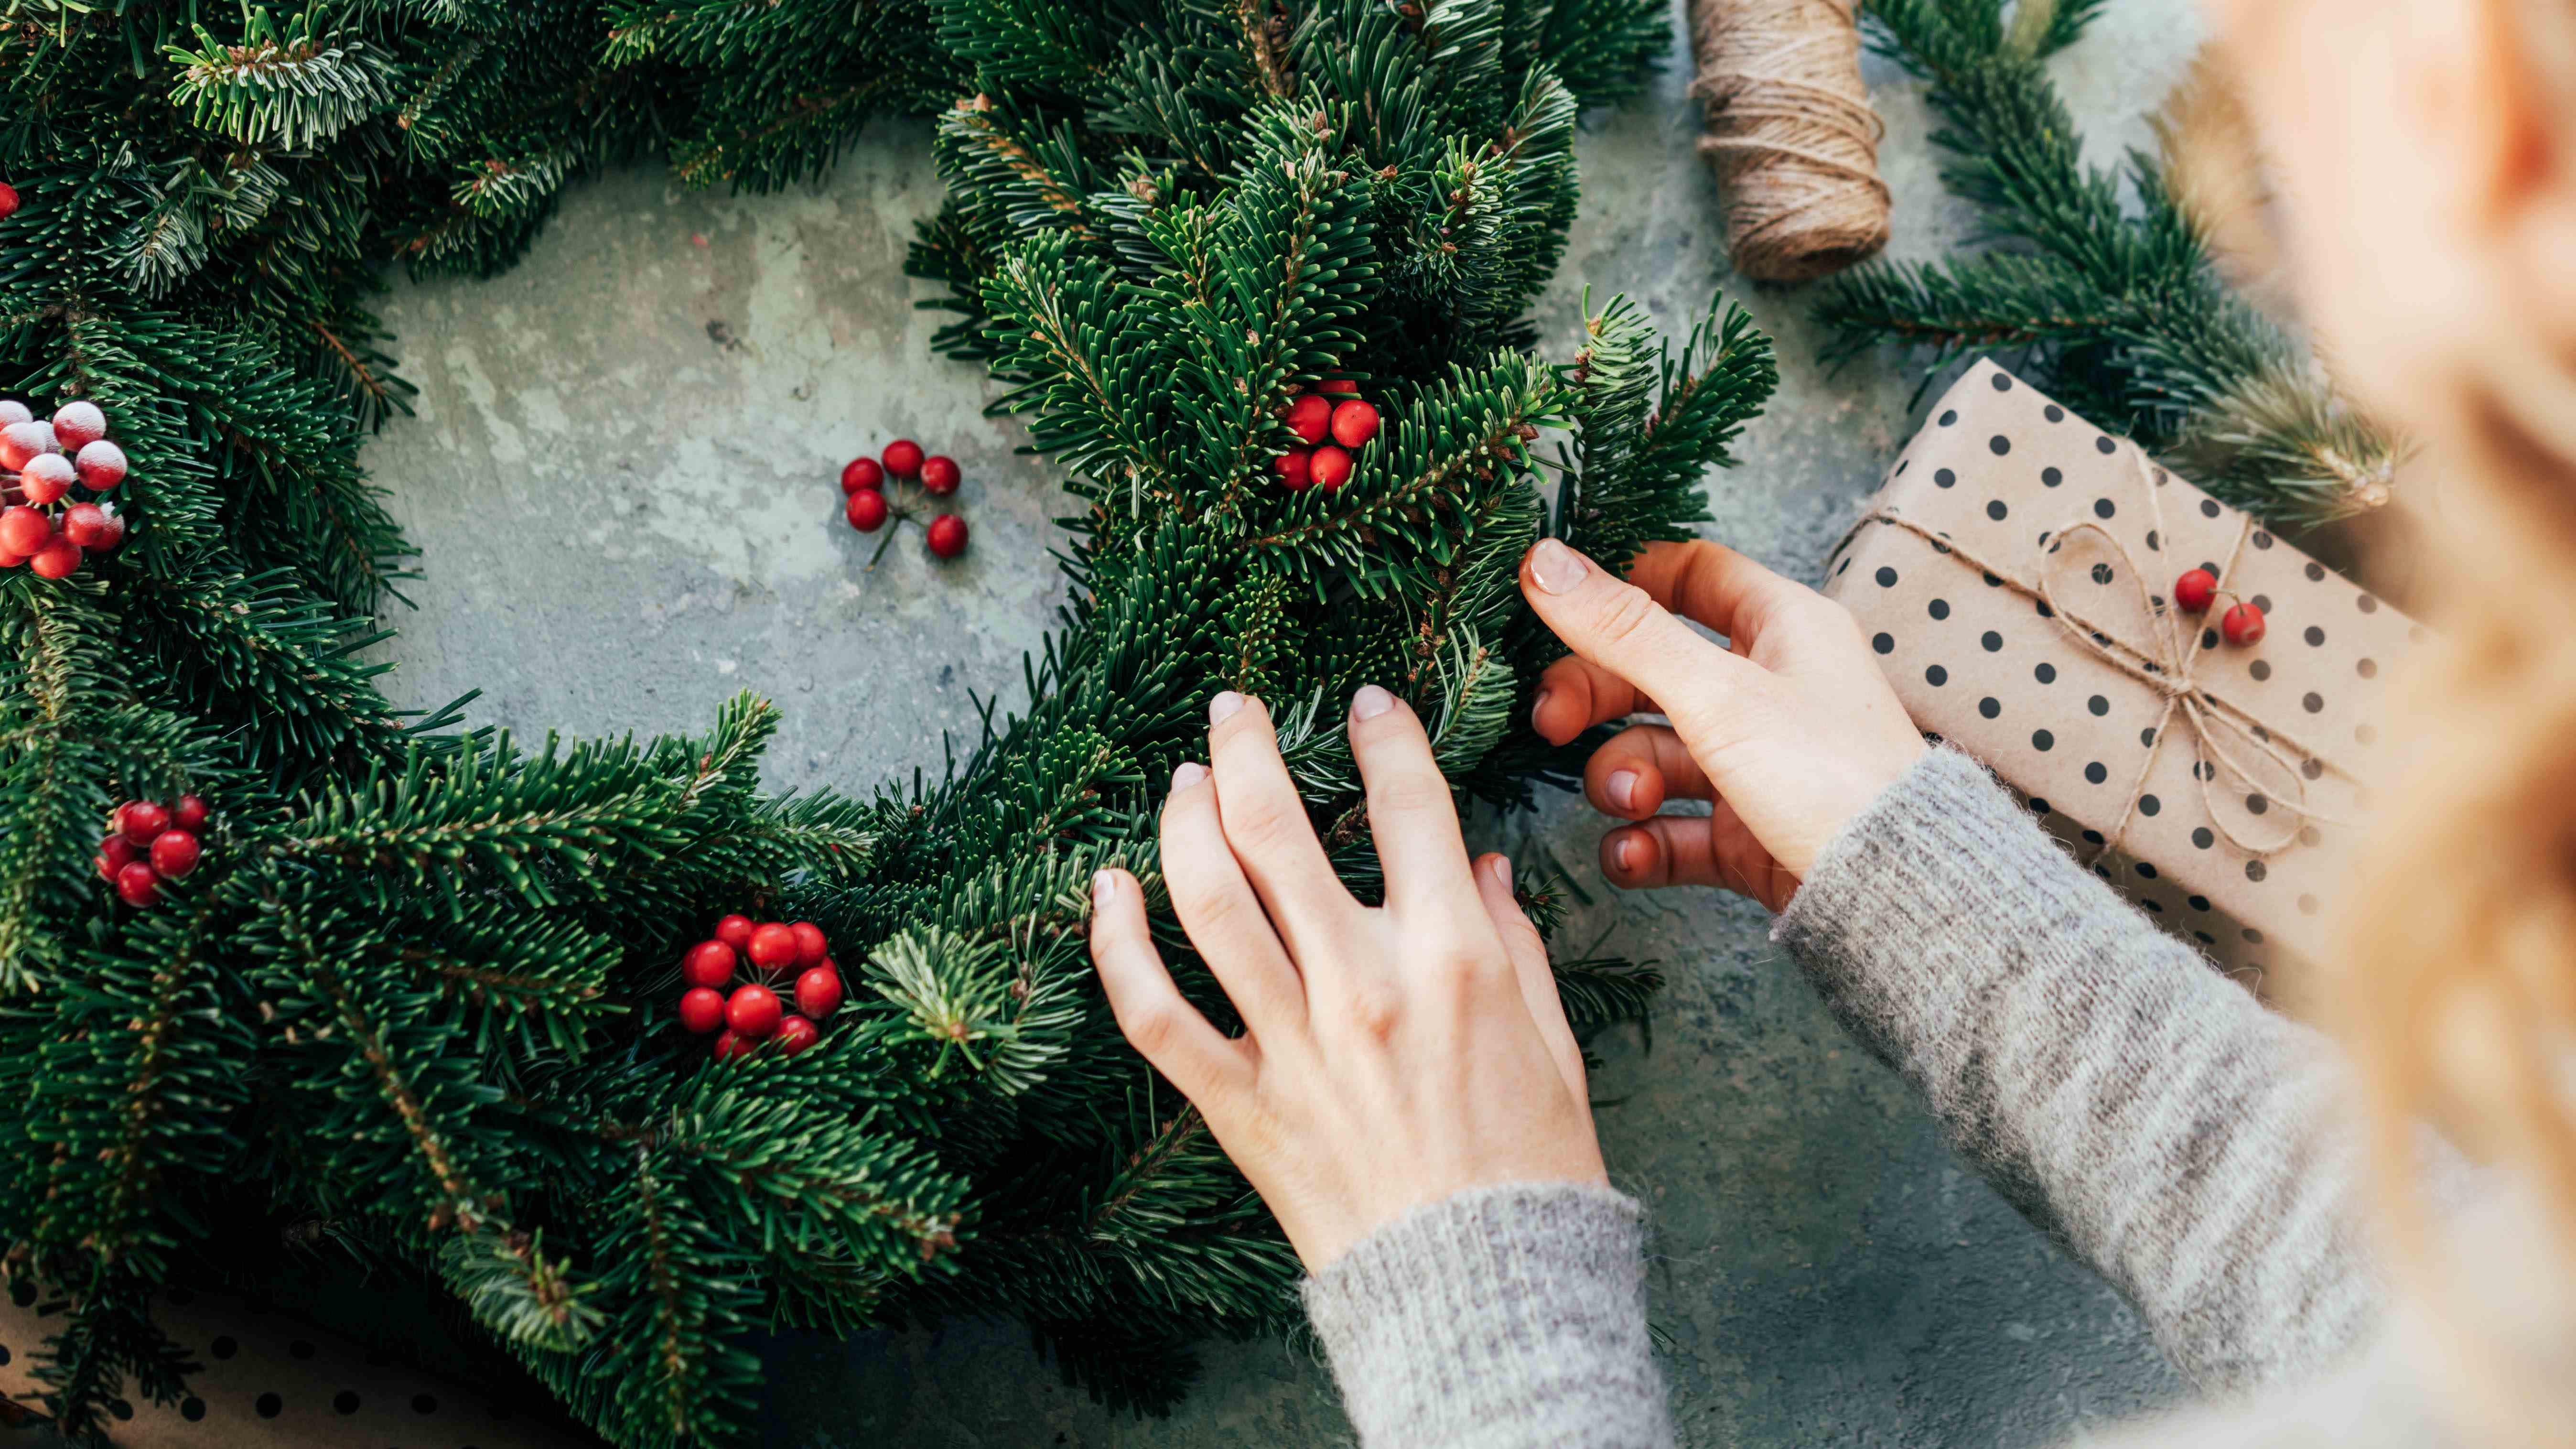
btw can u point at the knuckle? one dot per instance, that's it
(1626, 614)
(1263, 824)
(1376, 1012)
(1151, 1028)
(1410, 793)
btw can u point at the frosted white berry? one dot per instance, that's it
(79, 423)
(102, 465)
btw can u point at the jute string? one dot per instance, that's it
(2164, 665)
(1791, 133)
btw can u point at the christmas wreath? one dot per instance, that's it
(409, 991)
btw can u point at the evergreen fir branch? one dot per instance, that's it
(108, 1334)
(221, 636)
(59, 675)
(513, 1288)
(1598, 991)
(800, 1180)
(286, 86)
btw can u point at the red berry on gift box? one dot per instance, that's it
(2242, 624)
(77, 424)
(1330, 466)
(1310, 417)
(702, 1010)
(859, 473)
(818, 992)
(24, 530)
(902, 457)
(56, 560)
(752, 1011)
(810, 945)
(947, 535)
(115, 853)
(709, 963)
(1296, 469)
(137, 884)
(101, 464)
(795, 1034)
(47, 477)
(88, 525)
(174, 853)
(141, 821)
(8, 201)
(189, 813)
(772, 946)
(866, 510)
(21, 441)
(2196, 590)
(939, 474)
(734, 931)
(733, 1044)
(1338, 384)
(1354, 423)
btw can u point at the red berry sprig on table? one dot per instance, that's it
(147, 844)
(868, 509)
(744, 1014)
(36, 477)
(2241, 625)
(1313, 417)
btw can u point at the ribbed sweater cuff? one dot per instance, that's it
(1497, 1318)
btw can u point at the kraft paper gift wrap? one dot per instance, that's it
(2014, 575)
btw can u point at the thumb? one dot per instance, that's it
(1621, 628)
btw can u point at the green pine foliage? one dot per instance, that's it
(413, 1011)
(2109, 302)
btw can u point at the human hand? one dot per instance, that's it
(1788, 729)
(1391, 1056)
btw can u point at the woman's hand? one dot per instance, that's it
(1788, 730)
(1390, 1056)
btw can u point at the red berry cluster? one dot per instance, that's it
(864, 480)
(36, 476)
(147, 844)
(2242, 624)
(751, 1013)
(1350, 423)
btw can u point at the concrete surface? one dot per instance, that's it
(622, 478)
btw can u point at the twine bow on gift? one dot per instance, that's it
(2164, 665)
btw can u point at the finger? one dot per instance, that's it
(1411, 814)
(1716, 586)
(1639, 769)
(1156, 1020)
(1712, 850)
(1529, 966)
(1574, 694)
(1266, 826)
(1618, 626)
(1217, 907)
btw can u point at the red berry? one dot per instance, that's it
(2196, 590)
(866, 510)
(1296, 469)
(902, 457)
(810, 945)
(772, 947)
(1338, 384)
(1309, 417)
(859, 473)
(1331, 467)
(174, 853)
(818, 992)
(709, 963)
(21, 441)
(137, 884)
(733, 1044)
(939, 474)
(142, 822)
(752, 1011)
(734, 931)
(2242, 624)
(55, 560)
(47, 477)
(702, 1010)
(14, 411)
(101, 464)
(947, 535)
(115, 853)
(86, 524)
(8, 201)
(1354, 423)
(24, 530)
(795, 1034)
(79, 423)
(113, 535)
(189, 813)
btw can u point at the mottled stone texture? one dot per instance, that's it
(622, 475)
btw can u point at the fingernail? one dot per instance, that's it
(1189, 774)
(1104, 886)
(1500, 868)
(1555, 567)
(1621, 854)
(1222, 708)
(1371, 702)
(1622, 788)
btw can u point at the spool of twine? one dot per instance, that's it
(1791, 133)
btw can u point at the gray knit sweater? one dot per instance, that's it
(2156, 1119)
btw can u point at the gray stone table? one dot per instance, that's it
(621, 476)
